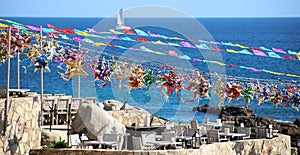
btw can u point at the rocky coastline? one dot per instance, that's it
(248, 117)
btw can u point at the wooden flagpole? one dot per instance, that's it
(41, 78)
(18, 70)
(7, 82)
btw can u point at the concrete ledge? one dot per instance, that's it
(278, 145)
(112, 152)
(281, 144)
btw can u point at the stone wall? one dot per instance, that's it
(23, 131)
(277, 146)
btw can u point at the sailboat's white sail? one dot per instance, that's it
(120, 18)
(120, 21)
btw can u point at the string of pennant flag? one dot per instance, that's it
(54, 32)
(53, 29)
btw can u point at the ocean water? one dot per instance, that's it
(281, 33)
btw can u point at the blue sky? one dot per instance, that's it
(194, 8)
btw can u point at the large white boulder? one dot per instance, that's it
(94, 122)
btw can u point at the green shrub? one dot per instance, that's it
(235, 129)
(253, 128)
(59, 144)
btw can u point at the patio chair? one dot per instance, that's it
(48, 109)
(207, 127)
(49, 103)
(245, 130)
(75, 141)
(75, 104)
(178, 130)
(136, 143)
(168, 136)
(261, 132)
(189, 132)
(230, 126)
(59, 95)
(169, 125)
(90, 100)
(170, 131)
(146, 138)
(83, 139)
(62, 109)
(47, 95)
(63, 104)
(228, 122)
(110, 139)
(194, 124)
(202, 133)
(213, 136)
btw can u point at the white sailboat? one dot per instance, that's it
(120, 21)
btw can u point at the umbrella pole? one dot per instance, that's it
(7, 82)
(41, 79)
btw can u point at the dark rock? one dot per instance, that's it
(207, 109)
(297, 122)
(236, 111)
(202, 108)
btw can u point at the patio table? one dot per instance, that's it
(163, 143)
(232, 135)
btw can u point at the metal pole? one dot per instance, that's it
(78, 86)
(68, 121)
(41, 78)
(18, 69)
(7, 82)
(78, 75)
